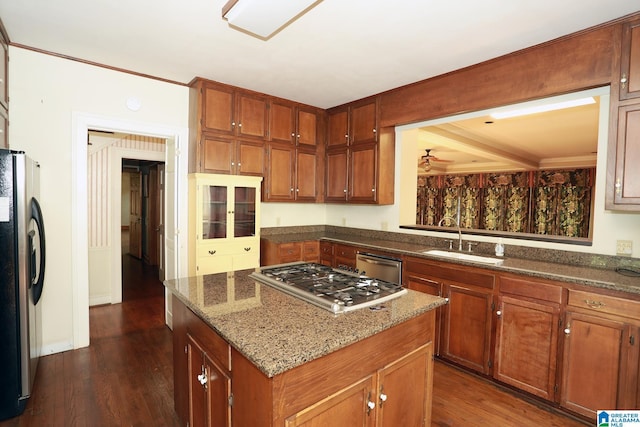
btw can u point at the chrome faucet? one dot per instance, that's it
(459, 230)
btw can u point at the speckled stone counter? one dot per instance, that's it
(562, 267)
(277, 332)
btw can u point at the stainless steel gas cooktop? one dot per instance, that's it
(335, 290)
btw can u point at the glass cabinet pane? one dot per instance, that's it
(214, 212)
(245, 212)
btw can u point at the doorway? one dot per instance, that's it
(142, 228)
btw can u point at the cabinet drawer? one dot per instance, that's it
(311, 249)
(290, 252)
(346, 252)
(530, 288)
(246, 261)
(604, 303)
(449, 272)
(326, 249)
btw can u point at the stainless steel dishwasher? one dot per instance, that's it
(379, 267)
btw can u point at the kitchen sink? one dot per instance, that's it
(464, 256)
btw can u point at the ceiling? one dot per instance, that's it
(566, 138)
(337, 52)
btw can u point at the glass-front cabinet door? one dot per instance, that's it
(214, 212)
(244, 212)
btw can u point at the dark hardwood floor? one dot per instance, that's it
(124, 378)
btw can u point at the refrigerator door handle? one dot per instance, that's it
(36, 214)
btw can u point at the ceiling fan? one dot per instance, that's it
(425, 161)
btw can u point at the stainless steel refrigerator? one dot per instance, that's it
(22, 266)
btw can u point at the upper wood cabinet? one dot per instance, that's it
(231, 156)
(234, 112)
(623, 154)
(361, 171)
(292, 174)
(292, 123)
(356, 123)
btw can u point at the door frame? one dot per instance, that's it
(175, 205)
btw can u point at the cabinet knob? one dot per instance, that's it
(247, 249)
(239, 125)
(374, 130)
(293, 134)
(383, 398)
(618, 187)
(499, 313)
(371, 405)
(567, 331)
(202, 378)
(233, 124)
(624, 80)
(212, 252)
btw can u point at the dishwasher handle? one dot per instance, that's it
(379, 261)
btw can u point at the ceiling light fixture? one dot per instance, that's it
(426, 165)
(543, 108)
(263, 18)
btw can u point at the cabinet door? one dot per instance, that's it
(249, 158)
(431, 287)
(326, 253)
(213, 208)
(362, 176)
(197, 397)
(311, 251)
(306, 176)
(244, 211)
(307, 130)
(336, 176)
(364, 123)
(630, 61)
(526, 345)
(396, 406)
(467, 327)
(281, 122)
(347, 407)
(280, 160)
(217, 395)
(218, 109)
(251, 116)
(338, 128)
(217, 155)
(627, 175)
(593, 351)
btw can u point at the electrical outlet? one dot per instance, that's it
(624, 247)
(384, 226)
(344, 222)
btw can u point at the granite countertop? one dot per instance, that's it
(584, 275)
(278, 332)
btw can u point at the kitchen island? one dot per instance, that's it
(246, 354)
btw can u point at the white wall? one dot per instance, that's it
(46, 93)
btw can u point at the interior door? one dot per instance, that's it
(135, 215)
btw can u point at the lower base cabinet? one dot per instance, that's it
(385, 380)
(601, 355)
(380, 399)
(209, 388)
(527, 327)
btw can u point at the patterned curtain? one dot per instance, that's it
(541, 202)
